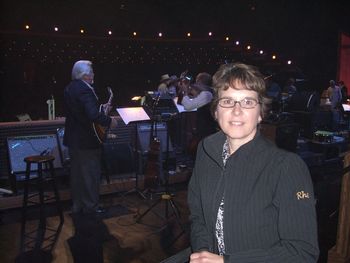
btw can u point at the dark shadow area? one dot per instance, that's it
(39, 244)
(87, 243)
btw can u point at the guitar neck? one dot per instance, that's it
(110, 95)
(110, 99)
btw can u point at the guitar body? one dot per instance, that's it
(101, 131)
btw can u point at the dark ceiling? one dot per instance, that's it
(272, 23)
(303, 29)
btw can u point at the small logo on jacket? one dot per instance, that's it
(302, 195)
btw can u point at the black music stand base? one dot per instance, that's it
(136, 190)
(167, 197)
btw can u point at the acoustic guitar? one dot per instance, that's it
(100, 130)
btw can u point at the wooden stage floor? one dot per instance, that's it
(116, 236)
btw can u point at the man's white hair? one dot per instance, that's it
(81, 68)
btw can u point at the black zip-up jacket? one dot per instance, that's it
(269, 210)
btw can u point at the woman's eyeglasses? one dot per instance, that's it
(246, 103)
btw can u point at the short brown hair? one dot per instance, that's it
(249, 76)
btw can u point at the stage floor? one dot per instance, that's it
(117, 237)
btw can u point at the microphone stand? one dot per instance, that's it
(136, 151)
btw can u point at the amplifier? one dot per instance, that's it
(20, 147)
(160, 131)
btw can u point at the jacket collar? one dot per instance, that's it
(213, 146)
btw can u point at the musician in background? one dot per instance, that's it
(199, 96)
(290, 87)
(335, 96)
(82, 110)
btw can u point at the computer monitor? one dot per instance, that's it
(20, 147)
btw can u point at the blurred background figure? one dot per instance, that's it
(334, 94)
(273, 90)
(173, 83)
(183, 85)
(344, 91)
(199, 96)
(290, 88)
(335, 97)
(163, 84)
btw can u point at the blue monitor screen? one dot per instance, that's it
(20, 147)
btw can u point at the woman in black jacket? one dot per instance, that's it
(249, 200)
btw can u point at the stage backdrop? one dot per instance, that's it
(344, 59)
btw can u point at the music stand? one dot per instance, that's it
(134, 114)
(164, 109)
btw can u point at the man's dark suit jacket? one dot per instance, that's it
(82, 109)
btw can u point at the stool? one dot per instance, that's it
(47, 176)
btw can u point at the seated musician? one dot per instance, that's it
(199, 96)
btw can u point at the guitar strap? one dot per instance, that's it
(90, 87)
(93, 91)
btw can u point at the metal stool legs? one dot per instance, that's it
(35, 242)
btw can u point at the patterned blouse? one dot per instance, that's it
(219, 231)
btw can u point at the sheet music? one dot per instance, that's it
(346, 107)
(132, 114)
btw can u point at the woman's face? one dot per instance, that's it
(239, 124)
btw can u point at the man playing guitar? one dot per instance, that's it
(82, 110)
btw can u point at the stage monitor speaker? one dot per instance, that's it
(119, 158)
(161, 132)
(20, 147)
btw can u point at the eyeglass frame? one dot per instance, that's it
(239, 102)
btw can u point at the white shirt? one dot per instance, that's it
(202, 99)
(90, 87)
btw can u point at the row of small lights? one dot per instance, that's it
(160, 34)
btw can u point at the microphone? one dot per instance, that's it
(45, 152)
(5, 191)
